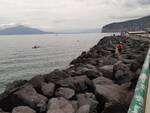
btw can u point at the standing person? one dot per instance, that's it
(119, 48)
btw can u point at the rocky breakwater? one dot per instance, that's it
(96, 82)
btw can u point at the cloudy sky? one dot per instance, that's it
(59, 15)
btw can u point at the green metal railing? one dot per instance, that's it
(138, 101)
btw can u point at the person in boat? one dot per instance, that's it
(35, 47)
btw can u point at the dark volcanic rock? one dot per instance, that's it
(60, 105)
(36, 82)
(122, 73)
(56, 75)
(75, 104)
(79, 83)
(1, 111)
(102, 81)
(23, 109)
(107, 71)
(87, 99)
(84, 109)
(48, 89)
(115, 108)
(65, 92)
(15, 85)
(111, 93)
(30, 97)
(109, 60)
(90, 71)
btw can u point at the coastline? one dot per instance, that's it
(97, 81)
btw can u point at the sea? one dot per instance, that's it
(18, 59)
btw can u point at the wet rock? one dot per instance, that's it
(102, 81)
(87, 99)
(23, 109)
(14, 85)
(48, 89)
(60, 105)
(84, 109)
(30, 97)
(79, 83)
(65, 92)
(56, 75)
(107, 71)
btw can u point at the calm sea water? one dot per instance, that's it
(19, 61)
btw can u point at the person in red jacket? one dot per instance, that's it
(119, 47)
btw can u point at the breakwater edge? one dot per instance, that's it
(96, 82)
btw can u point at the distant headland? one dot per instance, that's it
(130, 25)
(22, 30)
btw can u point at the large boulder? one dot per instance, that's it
(74, 104)
(111, 93)
(109, 60)
(123, 77)
(87, 99)
(122, 73)
(78, 83)
(23, 109)
(119, 107)
(91, 73)
(48, 89)
(56, 75)
(36, 82)
(102, 80)
(107, 71)
(120, 66)
(60, 105)
(30, 97)
(65, 92)
(84, 109)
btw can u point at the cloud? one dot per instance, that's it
(70, 14)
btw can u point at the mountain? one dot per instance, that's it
(131, 25)
(20, 30)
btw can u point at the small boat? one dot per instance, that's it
(35, 47)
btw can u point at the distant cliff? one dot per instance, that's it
(131, 25)
(20, 29)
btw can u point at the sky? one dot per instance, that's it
(62, 15)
